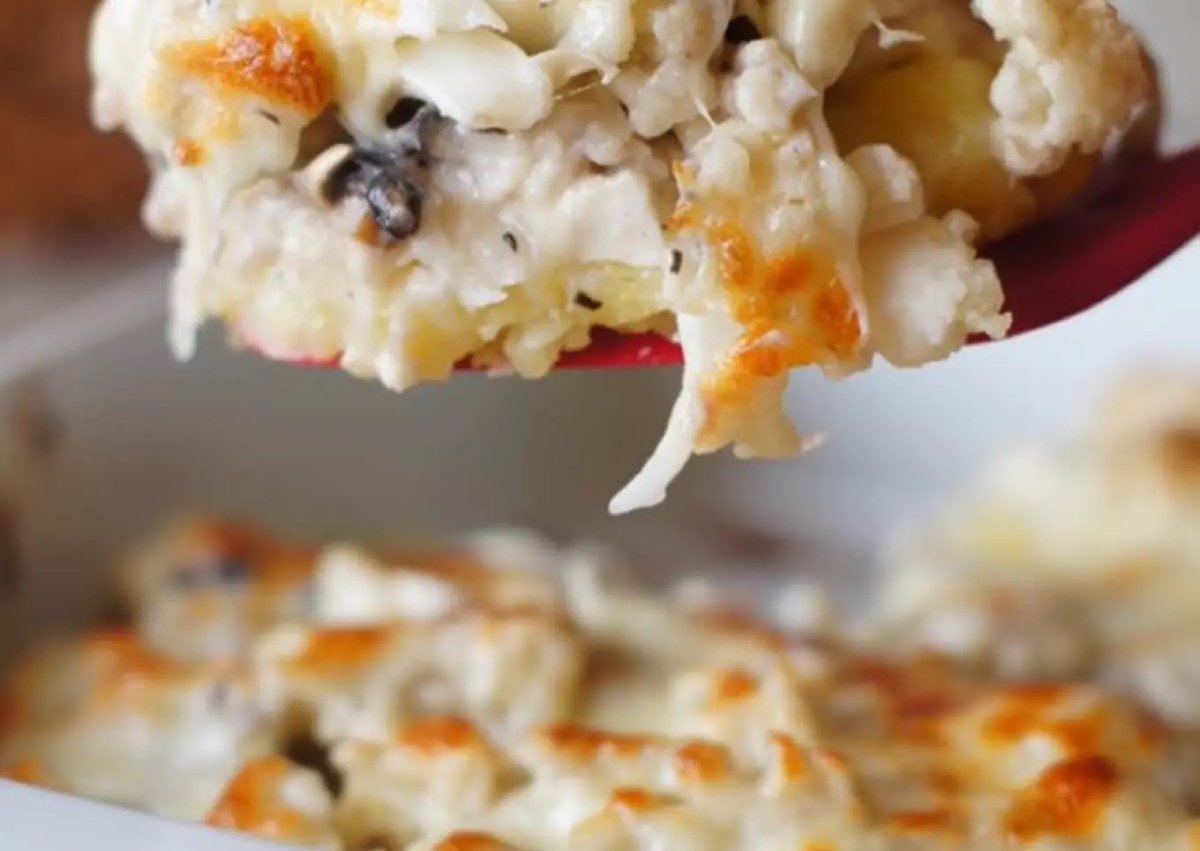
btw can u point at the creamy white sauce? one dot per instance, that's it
(531, 235)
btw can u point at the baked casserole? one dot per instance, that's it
(401, 187)
(508, 694)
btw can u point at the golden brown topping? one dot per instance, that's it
(944, 783)
(189, 152)
(1023, 713)
(280, 60)
(788, 756)
(438, 735)
(468, 841)
(120, 654)
(1038, 694)
(330, 650)
(923, 821)
(1068, 800)
(795, 309)
(635, 800)
(834, 759)
(917, 696)
(733, 685)
(28, 771)
(766, 291)
(583, 743)
(368, 233)
(1078, 735)
(247, 803)
(264, 557)
(702, 762)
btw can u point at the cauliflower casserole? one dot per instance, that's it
(1026, 679)
(404, 185)
(1075, 561)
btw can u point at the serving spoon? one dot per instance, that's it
(1049, 272)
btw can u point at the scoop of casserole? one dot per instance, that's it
(405, 186)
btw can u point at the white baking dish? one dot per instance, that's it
(324, 456)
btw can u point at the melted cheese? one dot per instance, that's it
(548, 187)
(540, 706)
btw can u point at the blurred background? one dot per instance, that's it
(69, 196)
(59, 176)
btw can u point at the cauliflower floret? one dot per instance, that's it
(767, 90)
(942, 98)
(927, 291)
(1073, 78)
(893, 188)
(822, 34)
(666, 81)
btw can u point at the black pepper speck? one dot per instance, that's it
(676, 261)
(403, 111)
(303, 749)
(587, 302)
(741, 30)
(343, 180)
(510, 240)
